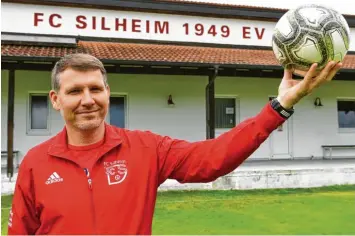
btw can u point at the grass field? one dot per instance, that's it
(329, 210)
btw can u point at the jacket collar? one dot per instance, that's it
(60, 143)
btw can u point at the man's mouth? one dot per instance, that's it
(87, 112)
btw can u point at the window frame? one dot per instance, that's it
(37, 132)
(126, 116)
(343, 130)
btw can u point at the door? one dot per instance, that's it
(280, 140)
(118, 111)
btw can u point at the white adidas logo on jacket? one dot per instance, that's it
(54, 178)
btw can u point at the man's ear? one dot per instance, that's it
(54, 99)
(108, 90)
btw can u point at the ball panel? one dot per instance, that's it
(342, 22)
(280, 52)
(285, 28)
(345, 30)
(340, 48)
(313, 16)
(319, 50)
(309, 51)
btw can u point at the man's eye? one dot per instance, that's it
(74, 91)
(96, 89)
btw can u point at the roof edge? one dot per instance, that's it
(158, 63)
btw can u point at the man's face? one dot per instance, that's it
(82, 99)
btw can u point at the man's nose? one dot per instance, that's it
(87, 99)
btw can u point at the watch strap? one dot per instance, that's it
(285, 113)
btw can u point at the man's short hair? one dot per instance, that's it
(79, 62)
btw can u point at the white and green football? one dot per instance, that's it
(310, 34)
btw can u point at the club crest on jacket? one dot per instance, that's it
(116, 171)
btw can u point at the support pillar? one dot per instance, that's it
(210, 105)
(10, 124)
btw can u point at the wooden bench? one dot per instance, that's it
(331, 147)
(4, 159)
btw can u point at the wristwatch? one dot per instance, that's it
(285, 113)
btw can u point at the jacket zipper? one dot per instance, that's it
(92, 199)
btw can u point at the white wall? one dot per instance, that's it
(147, 103)
(147, 108)
(316, 126)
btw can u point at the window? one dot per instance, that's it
(225, 113)
(346, 113)
(117, 111)
(38, 121)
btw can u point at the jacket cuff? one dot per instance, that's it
(269, 119)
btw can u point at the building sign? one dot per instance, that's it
(69, 21)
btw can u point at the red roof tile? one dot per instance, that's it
(156, 53)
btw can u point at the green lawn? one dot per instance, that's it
(329, 210)
(5, 203)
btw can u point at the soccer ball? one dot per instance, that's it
(310, 34)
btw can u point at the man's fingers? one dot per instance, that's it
(288, 74)
(314, 82)
(333, 72)
(308, 79)
(325, 74)
(326, 70)
(311, 73)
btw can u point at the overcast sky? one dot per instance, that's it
(343, 6)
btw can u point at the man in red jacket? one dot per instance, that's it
(93, 178)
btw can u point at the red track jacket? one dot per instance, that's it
(53, 195)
